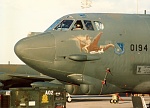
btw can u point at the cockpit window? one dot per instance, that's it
(99, 25)
(88, 25)
(64, 25)
(78, 25)
(53, 25)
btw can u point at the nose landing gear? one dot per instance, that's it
(115, 99)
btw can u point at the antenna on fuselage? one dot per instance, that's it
(137, 7)
(145, 12)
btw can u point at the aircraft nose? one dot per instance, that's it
(36, 49)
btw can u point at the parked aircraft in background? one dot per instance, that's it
(94, 53)
(19, 76)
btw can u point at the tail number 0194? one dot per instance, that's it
(138, 47)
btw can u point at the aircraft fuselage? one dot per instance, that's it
(111, 56)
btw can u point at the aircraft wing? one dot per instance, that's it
(32, 77)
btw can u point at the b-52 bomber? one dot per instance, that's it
(94, 53)
(17, 75)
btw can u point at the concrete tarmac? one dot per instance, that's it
(100, 102)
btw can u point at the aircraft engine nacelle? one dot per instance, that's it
(72, 89)
(93, 86)
(89, 89)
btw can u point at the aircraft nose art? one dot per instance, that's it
(36, 49)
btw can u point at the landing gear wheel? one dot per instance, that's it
(115, 98)
(111, 101)
(69, 99)
(115, 101)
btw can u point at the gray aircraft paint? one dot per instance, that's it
(109, 62)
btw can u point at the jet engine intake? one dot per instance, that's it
(86, 89)
(72, 89)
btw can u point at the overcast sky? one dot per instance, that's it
(19, 17)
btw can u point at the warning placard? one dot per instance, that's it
(143, 70)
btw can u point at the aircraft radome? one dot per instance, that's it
(95, 53)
